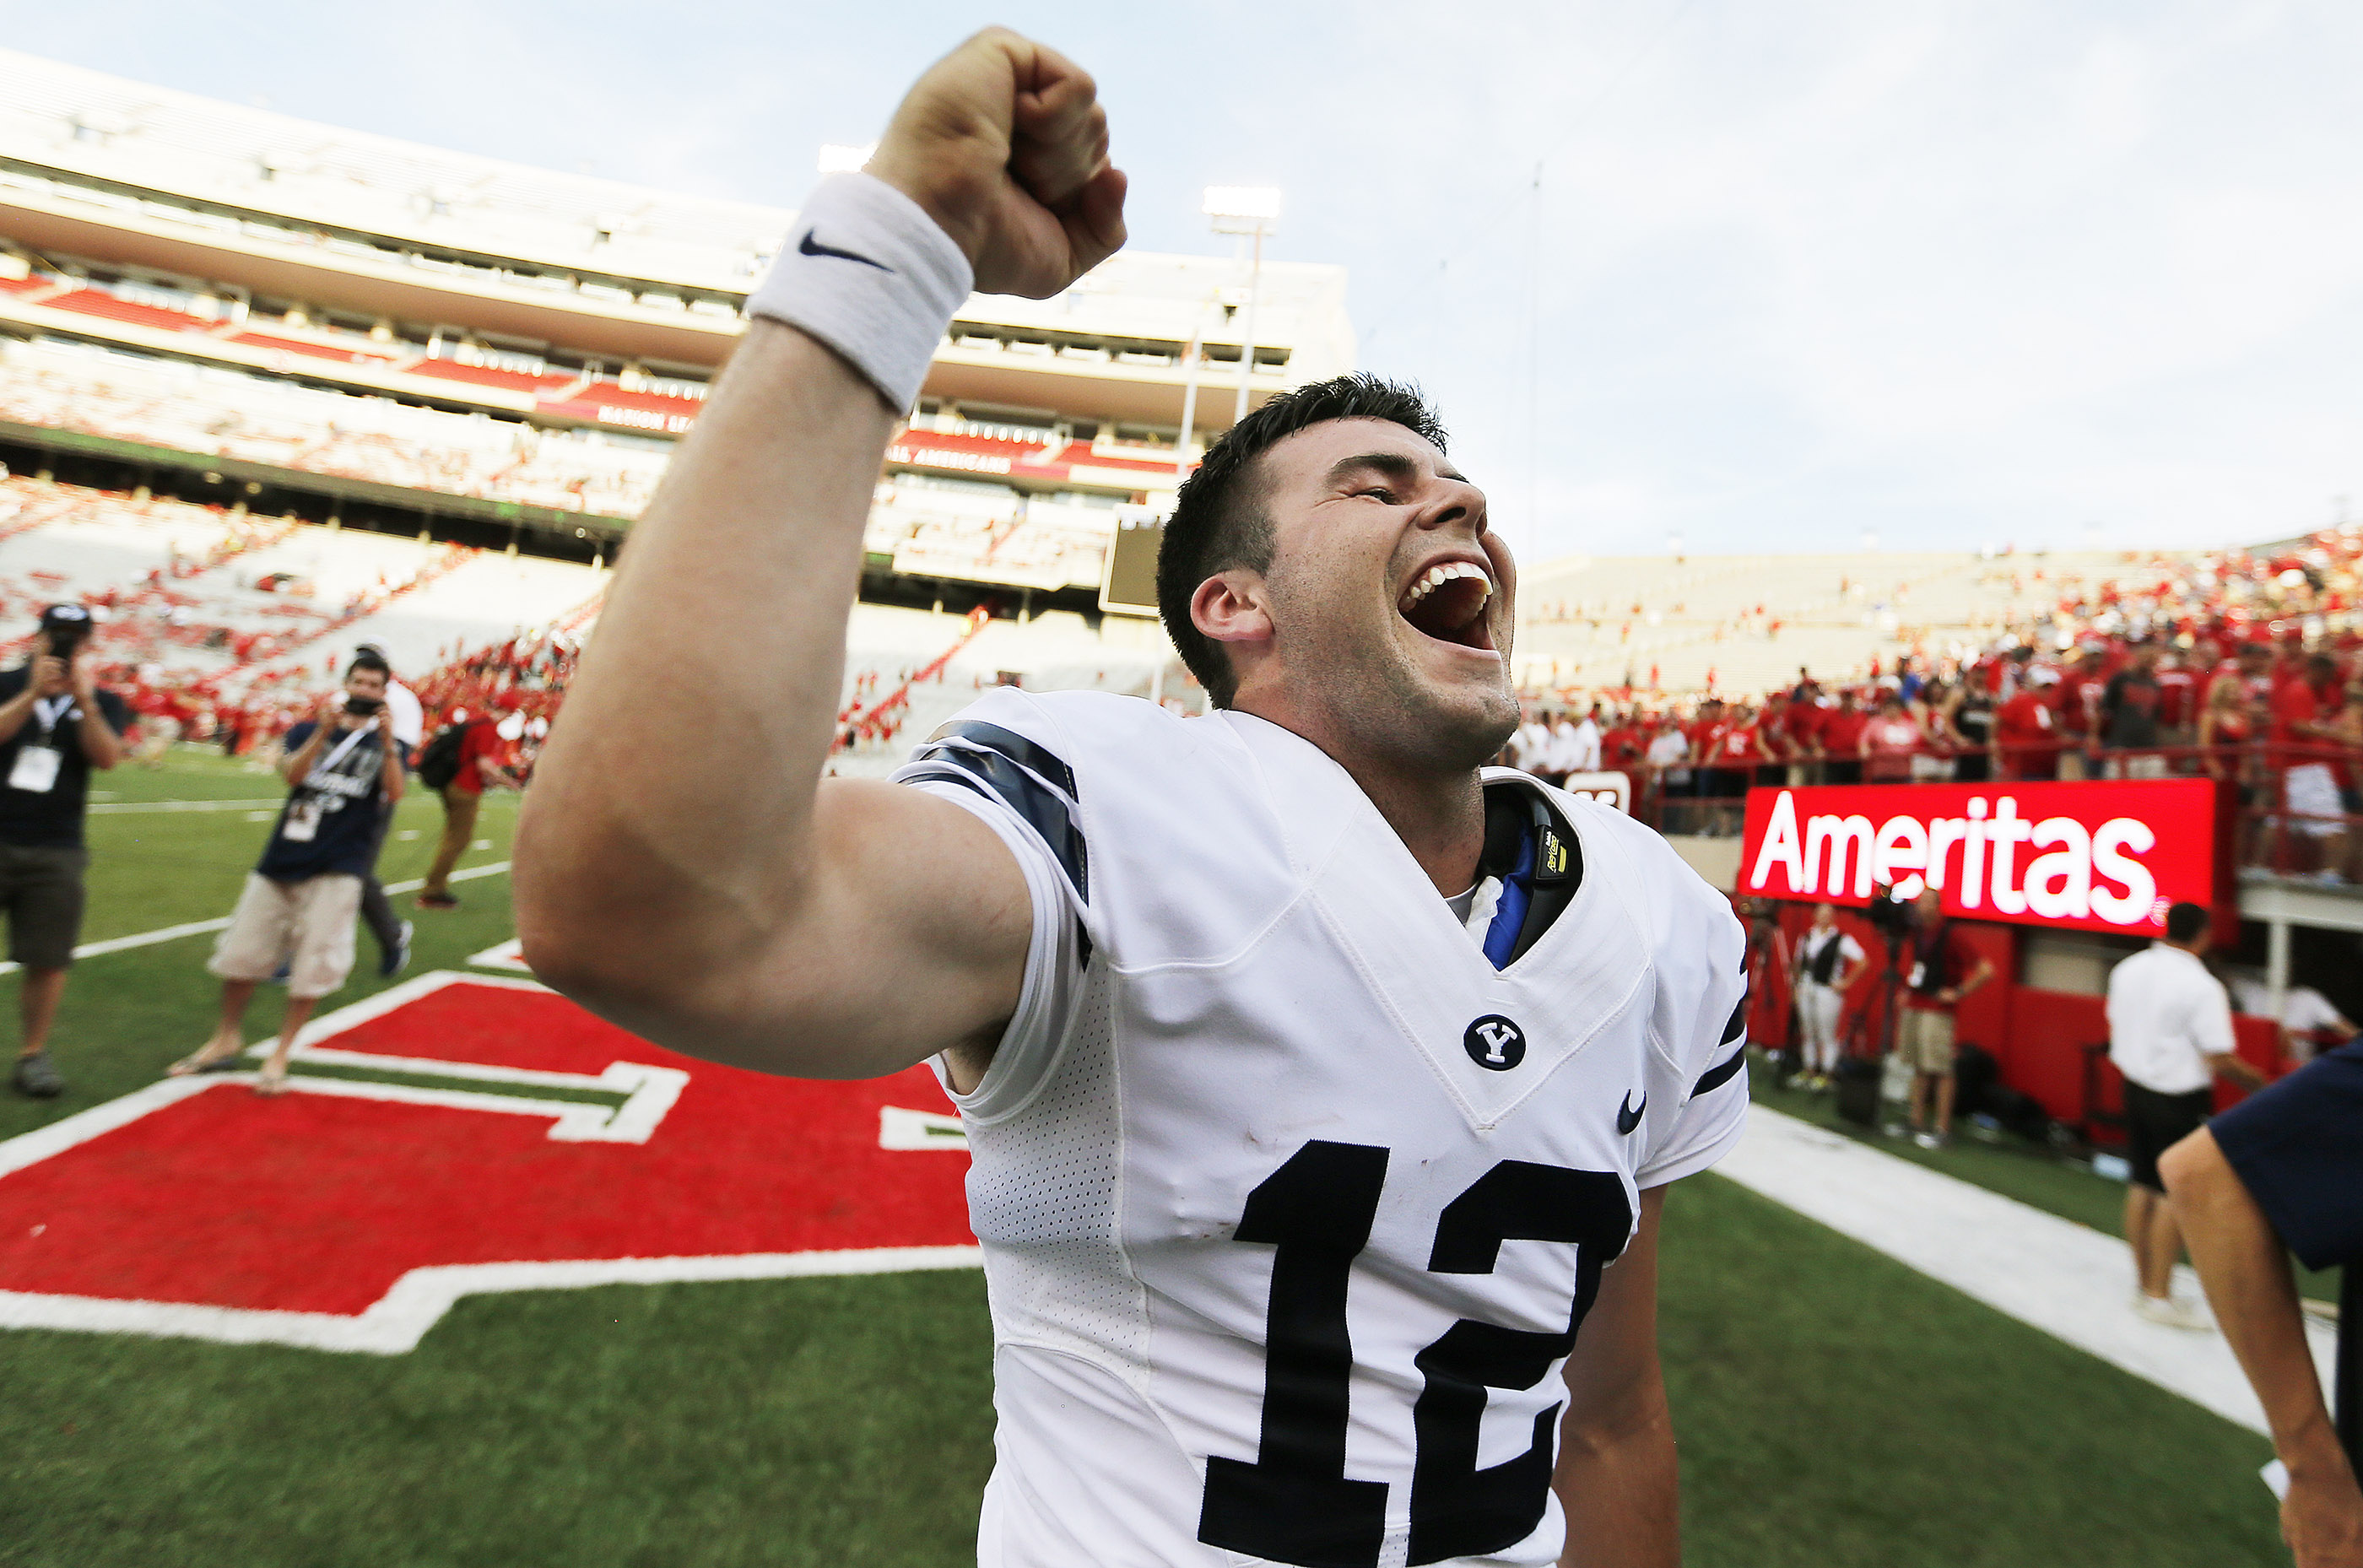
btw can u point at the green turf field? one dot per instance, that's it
(1836, 1408)
(125, 1014)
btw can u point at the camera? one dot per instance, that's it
(68, 626)
(361, 707)
(1890, 916)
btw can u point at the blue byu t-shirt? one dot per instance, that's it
(329, 823)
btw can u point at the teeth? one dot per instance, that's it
(1436, 576)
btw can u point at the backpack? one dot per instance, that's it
(438, 762)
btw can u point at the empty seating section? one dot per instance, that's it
(281, 343)
(556, 388)
(987, 534)
(96, 302)
(487, 375)
(885, 645)
(230, 415)
(1750, 621)
(200, 605)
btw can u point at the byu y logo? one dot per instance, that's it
(1494, 1042)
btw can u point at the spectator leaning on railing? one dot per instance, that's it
(2026, 730)
(2129, 709)
(1889, 743)
(56, 724)
(2307, 753)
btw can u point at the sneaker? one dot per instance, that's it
(1930, 1139)
(2174, 1314)
(396, 959)
(438, 901)
(38, 1076)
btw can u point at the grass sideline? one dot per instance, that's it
(125, 1014)
(2011, 1166)
(1836, 1408)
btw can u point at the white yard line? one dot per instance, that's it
(197, 928)
(2070, 1281)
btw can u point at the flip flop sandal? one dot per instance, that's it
(197, 1061)
(271, 1086)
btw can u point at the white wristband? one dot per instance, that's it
(867, 271)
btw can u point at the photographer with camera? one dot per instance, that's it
(1940, 971)
(56, 725)
(303, 899)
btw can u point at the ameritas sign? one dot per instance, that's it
(2099, 856)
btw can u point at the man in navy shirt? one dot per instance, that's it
(2282, 1172)
(303, 898)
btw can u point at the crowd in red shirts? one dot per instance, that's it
(2247, 667)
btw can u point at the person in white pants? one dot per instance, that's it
(1827, 962)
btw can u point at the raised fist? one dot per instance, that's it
(1005, 144)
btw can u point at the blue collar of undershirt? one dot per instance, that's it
(1510, 913)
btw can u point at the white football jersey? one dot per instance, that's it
(1291, 1202)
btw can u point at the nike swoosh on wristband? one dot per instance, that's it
(809, 247)
(1628, 1114)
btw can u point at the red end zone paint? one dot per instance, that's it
(2103, 856)
(344, 1219)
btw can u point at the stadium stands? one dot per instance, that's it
(206, 605)
(230, 414)
(1752, 620)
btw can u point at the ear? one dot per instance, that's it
(1230, 607)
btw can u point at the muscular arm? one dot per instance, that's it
(740, 909)
(294, 767)
(17, 710)
(101, 746)
(2228, 1064)
(2247, 1272)
(1617, 1477)
(1980, 973)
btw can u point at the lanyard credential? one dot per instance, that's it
(327, 764)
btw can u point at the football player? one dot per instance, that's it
(1314, 1076)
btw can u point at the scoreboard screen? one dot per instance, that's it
(1129, 587)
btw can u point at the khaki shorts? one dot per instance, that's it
(1924, 1038)
(308, 924)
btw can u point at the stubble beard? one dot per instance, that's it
(1378, 700)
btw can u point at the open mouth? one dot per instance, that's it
(1448, 603)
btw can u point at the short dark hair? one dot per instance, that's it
(2185, 921)
(1219, 522)
(370, 658)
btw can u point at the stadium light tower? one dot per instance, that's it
(1249, 211)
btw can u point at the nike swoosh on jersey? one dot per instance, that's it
(1628, 1114)
(810, 246)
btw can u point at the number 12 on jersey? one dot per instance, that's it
(1295, 1503)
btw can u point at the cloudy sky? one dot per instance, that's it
(1754, 277)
